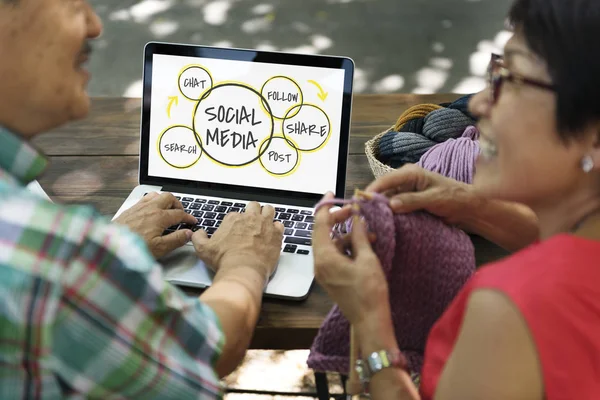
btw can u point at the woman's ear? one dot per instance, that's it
(591, 160)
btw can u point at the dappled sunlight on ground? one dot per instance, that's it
(413, 46)
(276, 371)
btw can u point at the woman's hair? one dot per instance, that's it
(566, 35)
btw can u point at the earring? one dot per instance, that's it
(587, 164)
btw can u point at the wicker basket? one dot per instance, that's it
(372, 150)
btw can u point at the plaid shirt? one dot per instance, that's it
(84, 309)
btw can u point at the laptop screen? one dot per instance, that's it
(256, 124)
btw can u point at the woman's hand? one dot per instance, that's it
(510, 225)
(355, 283)
(412, 188)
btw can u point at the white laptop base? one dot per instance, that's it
(292, 279)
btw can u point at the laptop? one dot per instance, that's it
(221, 127)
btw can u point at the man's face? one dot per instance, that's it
(42, 54)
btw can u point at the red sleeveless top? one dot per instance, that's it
(555, 284)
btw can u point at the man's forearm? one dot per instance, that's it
(235, 296)
(511, 226)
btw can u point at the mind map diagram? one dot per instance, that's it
(235, 125)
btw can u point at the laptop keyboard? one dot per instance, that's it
(209, 213)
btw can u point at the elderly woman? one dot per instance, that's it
(528, 326)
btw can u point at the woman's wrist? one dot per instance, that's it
(472, 209)
(375, 331)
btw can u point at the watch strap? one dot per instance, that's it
(378, 361)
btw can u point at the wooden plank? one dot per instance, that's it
(283, 338)
(113, 126)
(299, 320)
(106, 181)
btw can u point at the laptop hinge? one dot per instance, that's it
(261, 198)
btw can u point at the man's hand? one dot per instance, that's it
(412, 188)
(250, 239)
(152, 215)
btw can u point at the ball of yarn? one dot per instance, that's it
(444, 124)
(420, 128)
(415, 112)
(454, 158)
(406, 146)
(399, 148)
(462, 105)
(414, 125)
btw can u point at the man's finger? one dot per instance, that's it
(253, 207)
(149, 196)
(174, 240)
(177, 204)
(268, 211)
(174, 217)
(166, 201)
(404, 179)
(200, 240)
(279, 226)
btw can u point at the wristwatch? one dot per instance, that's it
(377, 361)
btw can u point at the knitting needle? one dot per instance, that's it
(353, 386)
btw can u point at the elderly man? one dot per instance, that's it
(84, 309)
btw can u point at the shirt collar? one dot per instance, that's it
(19, 158)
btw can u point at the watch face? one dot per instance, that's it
(375, 362)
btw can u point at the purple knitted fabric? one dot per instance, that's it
(425, 261)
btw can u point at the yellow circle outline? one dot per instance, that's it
(212, 82)
(289, 109)
(160, 152)
(328, 133)
(298, 152)
(217, 162)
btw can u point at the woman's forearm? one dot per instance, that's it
(511, 226)
(376, 333)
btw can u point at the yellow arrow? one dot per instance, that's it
(322, 94)
(172, 99)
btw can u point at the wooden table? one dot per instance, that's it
(95, 161)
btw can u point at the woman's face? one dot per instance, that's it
(522, 156)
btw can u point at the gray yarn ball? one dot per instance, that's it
(445, 123)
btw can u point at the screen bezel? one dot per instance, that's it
(198, 51)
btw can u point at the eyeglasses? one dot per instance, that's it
(497, 73)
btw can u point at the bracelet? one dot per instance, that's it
(378, 361)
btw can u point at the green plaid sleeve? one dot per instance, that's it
(85, 312)
(145, 339)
